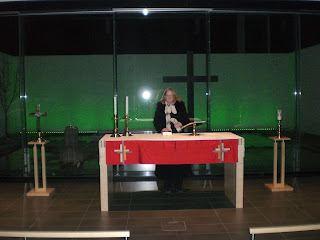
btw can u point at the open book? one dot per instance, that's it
(193, 123)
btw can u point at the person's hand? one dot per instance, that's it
(165, 130)
(178, 125)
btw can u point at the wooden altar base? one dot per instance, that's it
(40, 192)
(233, 170)
(278, 187)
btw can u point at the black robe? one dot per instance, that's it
(160, 116)
(172, 174)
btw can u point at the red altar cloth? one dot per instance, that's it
(171, 152)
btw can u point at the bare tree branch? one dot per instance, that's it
(9, 85)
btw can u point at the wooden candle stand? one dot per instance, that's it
(275, 186)
(44, 191)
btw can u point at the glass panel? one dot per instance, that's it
(11, 153)
(309, 77)
(252, 87)
(69, 72)
(155, 52)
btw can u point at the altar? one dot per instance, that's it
(179, 148)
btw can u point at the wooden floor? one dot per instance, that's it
(75, 206)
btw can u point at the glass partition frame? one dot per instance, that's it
(208, 62)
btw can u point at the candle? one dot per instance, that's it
(127, 106)
(115, 105)
(279, 115)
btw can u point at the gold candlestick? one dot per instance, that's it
(127, 133)
(279, 129)
(194, 133)
(115, 131)
(40, 139)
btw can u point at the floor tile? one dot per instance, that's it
(247, 236)
(109, 214)
(204, 229)
(244, 227)
(272, 203)
(150, 214)
(150, 207)
(56, 222)
(194, 213)
(154, 237)
(202, 205)
(71, 202)
(136, 222)
(150, 230)
(111, 208)
(232, 215)
(101, 228)
(62, 215)
(100, 222)
(199, 220)
(302, 235)
(19, 214)
(173, 225)
(204, 236)
(16, 222)
(53, 228)
(68, 208)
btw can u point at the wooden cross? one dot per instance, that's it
(221, 150)
(190, 79)
(123, 152)
(38, 114)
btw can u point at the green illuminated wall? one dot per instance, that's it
(74, 90)
(79, 89)
(310, 85)
(251, 88)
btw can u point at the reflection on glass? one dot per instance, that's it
(146, 95)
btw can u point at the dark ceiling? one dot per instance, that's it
(44, 5)
(158, 33)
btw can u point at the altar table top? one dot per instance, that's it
(179, 148)
(174, 137)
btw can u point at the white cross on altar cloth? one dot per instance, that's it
(123, 152)
(221, 150)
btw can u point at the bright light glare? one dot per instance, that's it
(145, 12)
(146, 95)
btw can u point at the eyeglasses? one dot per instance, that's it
(169, 95)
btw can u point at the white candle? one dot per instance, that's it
(115, 105)
(279, 115)
(127, 106)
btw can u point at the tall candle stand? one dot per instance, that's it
(127, 133)
(115, 131)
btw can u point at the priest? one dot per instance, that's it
(170, 116)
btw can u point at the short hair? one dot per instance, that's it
(175, 96)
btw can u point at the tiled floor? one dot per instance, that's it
(76, 206)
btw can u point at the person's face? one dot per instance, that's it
(169, 97)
